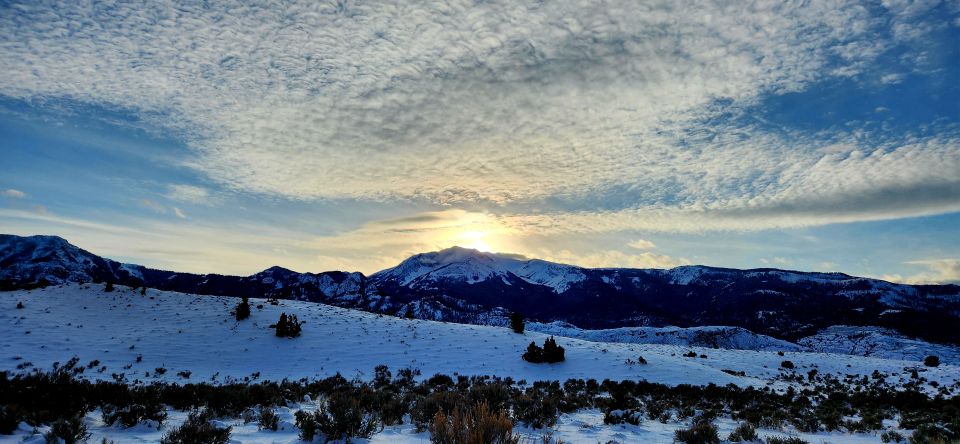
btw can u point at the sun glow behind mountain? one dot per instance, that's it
(475, 240)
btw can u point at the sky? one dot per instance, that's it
(229, 137)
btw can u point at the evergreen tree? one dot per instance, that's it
(243, 309)
(408, 314)
(534, 353)
(288, 326)
(108, 287)
(282, 325)
(552, 352)
(516, 322)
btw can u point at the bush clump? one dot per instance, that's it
(9, 419)
(243, 309)
(476, 425)
(307, 424)
(787, 364)
(550, 353)
(288, 326)
(197, 429)
(267, 419)
(701, 431)
(931, 361)
(785, 440)
(345, 414)
(133, 414)
(71, 431)
(744, 432)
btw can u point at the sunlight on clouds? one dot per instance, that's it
(490, 103)
(939, 271)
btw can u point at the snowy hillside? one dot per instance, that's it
(733, 338)
(198, 334)
(877, 342)
(179, 338)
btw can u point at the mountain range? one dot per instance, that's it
(468, 286)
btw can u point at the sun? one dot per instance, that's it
(474, 239)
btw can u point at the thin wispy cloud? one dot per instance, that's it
(13, 194)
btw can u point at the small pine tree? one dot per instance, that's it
(408, 314)
(534, 353)
(19, 305)
(288, 326)
(243, 309)
(931, 361)
(282, 325)
(108, 287)
(552, 352)
(143, 291)
(516, 322)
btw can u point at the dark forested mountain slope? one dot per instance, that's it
(463, 285)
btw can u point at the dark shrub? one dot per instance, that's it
(108, 287)
(197, 430)
(288, 326)
(744, 432)
(891, 436)
(242, 311)
(307, 423)
(19, 305)
(346, 414)
(516, 322)
(935, 434)
(931, 361)
(787, 364)
(71, 431)
(785, 440)
(701, 431)
(476, 425)
(10, 418)
(133, 414)
(550, 353)
(267, 419)
(425, 408)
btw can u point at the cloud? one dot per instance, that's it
(153, 206)
(188, 193)
(615, 259)
(178, 212)
(642, 244)
(939, 271)
(539, 113)
(13, 194)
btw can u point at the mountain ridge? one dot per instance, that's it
(469, 286)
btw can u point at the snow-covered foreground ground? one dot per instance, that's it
(185, 333)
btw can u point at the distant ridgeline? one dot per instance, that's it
(468, 286)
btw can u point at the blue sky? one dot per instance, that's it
(229, 138)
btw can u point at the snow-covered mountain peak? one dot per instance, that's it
(472, 266)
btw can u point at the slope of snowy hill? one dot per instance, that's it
(182, 332)
(876, 342)
(178, 338)
(733, 338)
